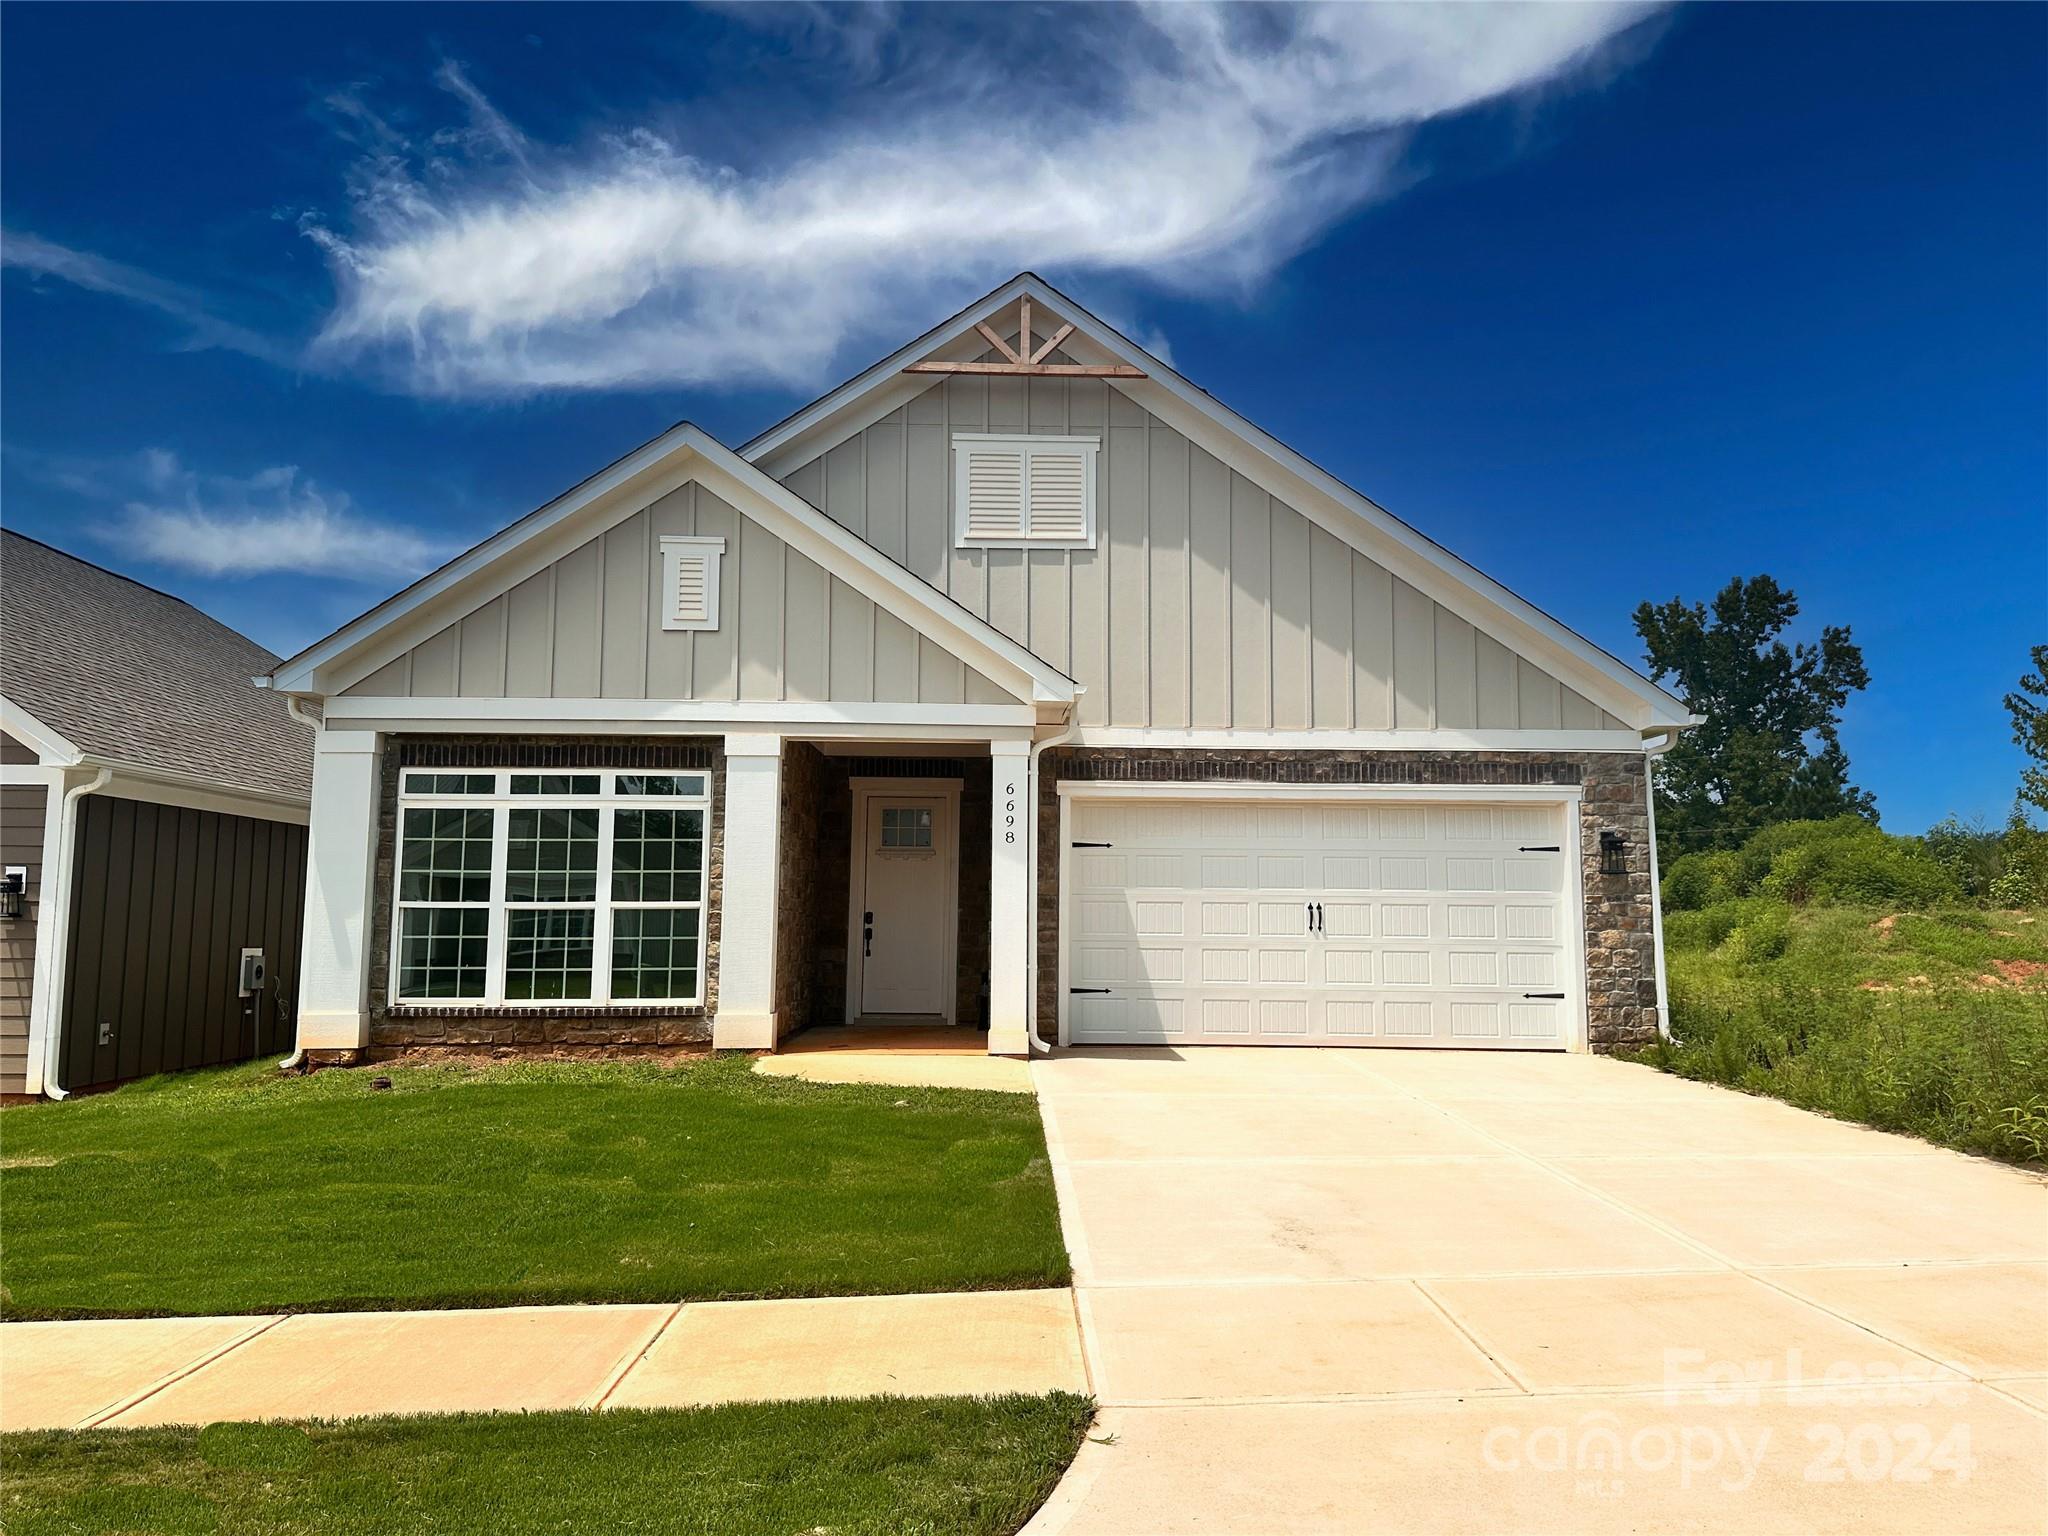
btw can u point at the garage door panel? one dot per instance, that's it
(1259, 923)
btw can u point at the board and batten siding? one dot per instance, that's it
(21, 842)
(164, 901)
(1206, 604)
(589, 626)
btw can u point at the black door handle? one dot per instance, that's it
(1319, 918)
(1079, 991)
(867, 934)
(1549, 997)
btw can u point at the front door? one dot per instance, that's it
(905, 905)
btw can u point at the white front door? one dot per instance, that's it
(905, 899)
(1304, 922)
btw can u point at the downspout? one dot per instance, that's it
(297, 711)
(67, 873)
(1032, 1044)
(1651, 752)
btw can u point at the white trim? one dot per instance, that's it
(1027, 446)
(678, 456)
(862, 791)
(158, 788)
(1568, 799)
(1311, 490)
(46, 975)
(1469, 794)
(1012, 932)
(747, 1018)
(708, 553)
(501, 803)
(1368, 741)
(784, 716)
(49, 746)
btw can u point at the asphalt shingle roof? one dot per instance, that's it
(136, 676)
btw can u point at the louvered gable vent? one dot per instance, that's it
(1021, 490)
(689, 580)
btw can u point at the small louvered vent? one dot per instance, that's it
(1019, 491)
(689, 575)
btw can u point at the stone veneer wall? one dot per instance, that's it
(835, 876)
(1621, 966)
(799, 887)
(566, 1024)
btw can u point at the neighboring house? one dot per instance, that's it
(154, 807)
(1016, 678)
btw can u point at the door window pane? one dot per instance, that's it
(445, 856)
(654, 952)
(657, 855)
(906, 826)
(548, 953)
(551, 854)
(441, 951)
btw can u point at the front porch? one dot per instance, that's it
(893, 878)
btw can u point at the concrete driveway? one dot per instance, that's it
(1378, 1291)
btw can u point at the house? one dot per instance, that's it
(1016, 681)
(153, 811)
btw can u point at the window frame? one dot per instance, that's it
(1026, 443)
(500, 801)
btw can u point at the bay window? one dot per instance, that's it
(523, 890)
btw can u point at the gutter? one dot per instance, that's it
(1652, 750)
(67, 870)
(1032, 1044)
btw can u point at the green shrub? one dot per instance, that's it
(1964, 1067)
(1700, 879)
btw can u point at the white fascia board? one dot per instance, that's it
(1362, 741)
(49, 746)
(1332, 505)
(193, 793)
(875, 576)
(398, 618)
(678, 456)
(876, 391)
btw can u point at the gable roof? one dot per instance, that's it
(128, 675)
(680, 454)
(1312, 490)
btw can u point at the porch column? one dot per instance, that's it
(1009, 915)
(745, 1020)
(341, 863)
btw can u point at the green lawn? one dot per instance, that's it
(244, 1190)
(1934, 1023)
(887, 1466)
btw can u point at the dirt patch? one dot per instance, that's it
(2015, 973)
(1885, 925)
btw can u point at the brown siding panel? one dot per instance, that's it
(166, 900)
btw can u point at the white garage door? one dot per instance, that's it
(1316, 922)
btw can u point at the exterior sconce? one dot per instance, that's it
(13, 890)
(1613, 854)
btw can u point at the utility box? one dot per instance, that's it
(252, 972)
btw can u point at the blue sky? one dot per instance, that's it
(1617, 303)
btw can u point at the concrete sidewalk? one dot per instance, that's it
(123, 1373)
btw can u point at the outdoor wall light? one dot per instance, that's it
(1613, 854)
(13, 890)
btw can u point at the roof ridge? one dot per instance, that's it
(108, 570)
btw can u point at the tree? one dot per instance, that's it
(1769, 750)
(2028, 706)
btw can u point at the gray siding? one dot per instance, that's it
(589, 626)
(164, 902)
(1207, 603)
(21, 842)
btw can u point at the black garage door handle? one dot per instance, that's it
(1078, 991)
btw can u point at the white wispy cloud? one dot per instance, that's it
(278, 520)
(97, 274)
(274, 521)
(1194, 145)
